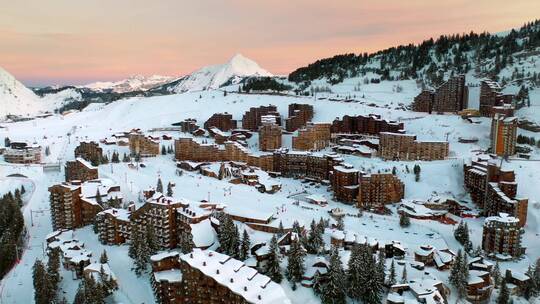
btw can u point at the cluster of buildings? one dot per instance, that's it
(222, 121)
(372, 124)
(252, 118)
(494, 189)
(451, 96)
(348, 184)
(22, 153)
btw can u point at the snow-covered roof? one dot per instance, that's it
(236, 276)
(171, 276)
(163, 255)
(203, 234)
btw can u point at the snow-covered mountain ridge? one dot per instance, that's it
(133, 83)
(15, 98)
(213, 77)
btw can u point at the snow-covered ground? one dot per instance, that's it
(99, 121)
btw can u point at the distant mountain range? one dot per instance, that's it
(512, 58)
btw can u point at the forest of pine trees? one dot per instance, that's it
(11, 230)
(452, 53)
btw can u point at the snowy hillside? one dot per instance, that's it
(133, 83)
(213, 77)
(15, 98)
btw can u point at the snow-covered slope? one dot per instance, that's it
(133, 83)
(212, 77)
(15, 98)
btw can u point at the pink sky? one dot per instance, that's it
(74, 42)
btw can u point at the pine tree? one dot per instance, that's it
(169, 189)
(404, 220)
(163, 150)
(43, 289)
(334, 290)
(159, 186)
(23, 190)
(295, 267)
(104, 259)
(281, 230)
(98, 197)
(244, 246)
(416, 171)
(53, 270)
(392, 275)
(404, 274)
(504, 294)
(496, 274)
(355, 274)
(7, 142)
(531, 289)
(315, 241)
(47, 151)
(273, 269)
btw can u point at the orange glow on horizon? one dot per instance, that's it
(69, 42)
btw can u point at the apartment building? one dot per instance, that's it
(491, 96)
(372, 124)
(494, 189)
(269, 134)
(213, 277)
(313, 137)
(503, 134)
(89, 151)
(81, 170)
(396, 146)
(252, 118)
(345, 183)
(75, 204)
(452, 96)
(22, 153)
(158, 214)
(142, 145)
(501, 236)
(114, 226)
(377, 190)
(299, 116)
(188, 125)
(222, 121)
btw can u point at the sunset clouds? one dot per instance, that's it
(61, 41)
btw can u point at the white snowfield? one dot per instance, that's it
(438, 178)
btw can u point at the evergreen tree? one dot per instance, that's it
(392, 275)
(7, 142)
(404, 220)
(23, 190)
(104, 259)
(315, 241)
(163, 150)
(126, 158)
(404, 274)
(280, 229)
(416, 171)
(334, 290)
(47, 151)
(496, 274)
(504, 294)
(43, 289)
(159, 186)
(169, 189)
(98, 197)
(531, 289)
(244, 246)
(273, 269)
(355, 274)
(295, 267)
(53, 270)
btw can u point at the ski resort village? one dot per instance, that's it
(410, 175)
